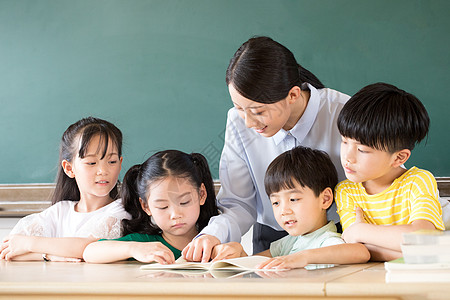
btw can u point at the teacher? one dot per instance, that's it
(278, 105)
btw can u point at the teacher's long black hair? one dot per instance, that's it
(265, 71)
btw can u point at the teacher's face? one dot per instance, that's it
(265, 119)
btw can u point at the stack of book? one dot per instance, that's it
(426, 258)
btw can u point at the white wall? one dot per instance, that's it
(6, 224)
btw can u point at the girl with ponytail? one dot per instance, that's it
(278, 104)
(170, 198)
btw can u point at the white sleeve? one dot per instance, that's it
(37, 224)
(106, 224)
(237, 195)
(29, 225)
(105, 227)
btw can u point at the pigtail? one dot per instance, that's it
(209, 209)
(140, 222)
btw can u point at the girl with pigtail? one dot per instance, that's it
(170, 198)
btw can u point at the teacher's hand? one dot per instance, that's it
(200, 249)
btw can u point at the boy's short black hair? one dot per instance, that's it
(308, 167)
(385, 118)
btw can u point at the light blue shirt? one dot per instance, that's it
(322, 237)
(246, 156)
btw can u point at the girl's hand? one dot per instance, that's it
(228, 250)
(200, 249)
(152, 251)
(15, 245)
(287, 262)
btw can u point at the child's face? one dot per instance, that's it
(95, 177)
(265, 119)
(299, 211)
(362, 163)
(174, 203)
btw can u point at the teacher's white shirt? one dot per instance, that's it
(246, 156)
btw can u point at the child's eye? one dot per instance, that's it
(184, 203)
(90, 163)
(362, 151)
(294, 199)
(275, 203)
(113, 162)
(162, 208)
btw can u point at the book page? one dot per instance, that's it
(248, 263)
(241, 263)
(180, 264)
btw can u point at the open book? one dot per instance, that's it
(247, 263)
(240, 264)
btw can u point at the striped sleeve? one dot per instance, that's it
(345, 204)
(424, 200)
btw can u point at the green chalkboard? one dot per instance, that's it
(156, 68)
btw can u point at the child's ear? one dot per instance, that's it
(400, 157)
(326, 197)
(68, 168)
(203, 194)
(120, 162)
(144, 206)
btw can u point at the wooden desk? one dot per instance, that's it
(51, 280)
(77, 280)
(371, 281)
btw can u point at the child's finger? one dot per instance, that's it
(3, 246)
(262, 265)
(5, 254)
(273, 264)
(163, 257)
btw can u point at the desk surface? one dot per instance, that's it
(126, 280)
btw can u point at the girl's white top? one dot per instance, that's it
(61, 220)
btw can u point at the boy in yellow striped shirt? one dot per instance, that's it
(380, 200)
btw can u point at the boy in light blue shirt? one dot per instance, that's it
(300, 184)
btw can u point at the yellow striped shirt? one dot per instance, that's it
(412, 196)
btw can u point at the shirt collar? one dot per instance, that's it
(330, 226)
(303, 126)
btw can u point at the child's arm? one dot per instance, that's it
(384, 236)
(382, 254)
(15, 246)
(32, 256)
(112, 251)
(336, 254)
